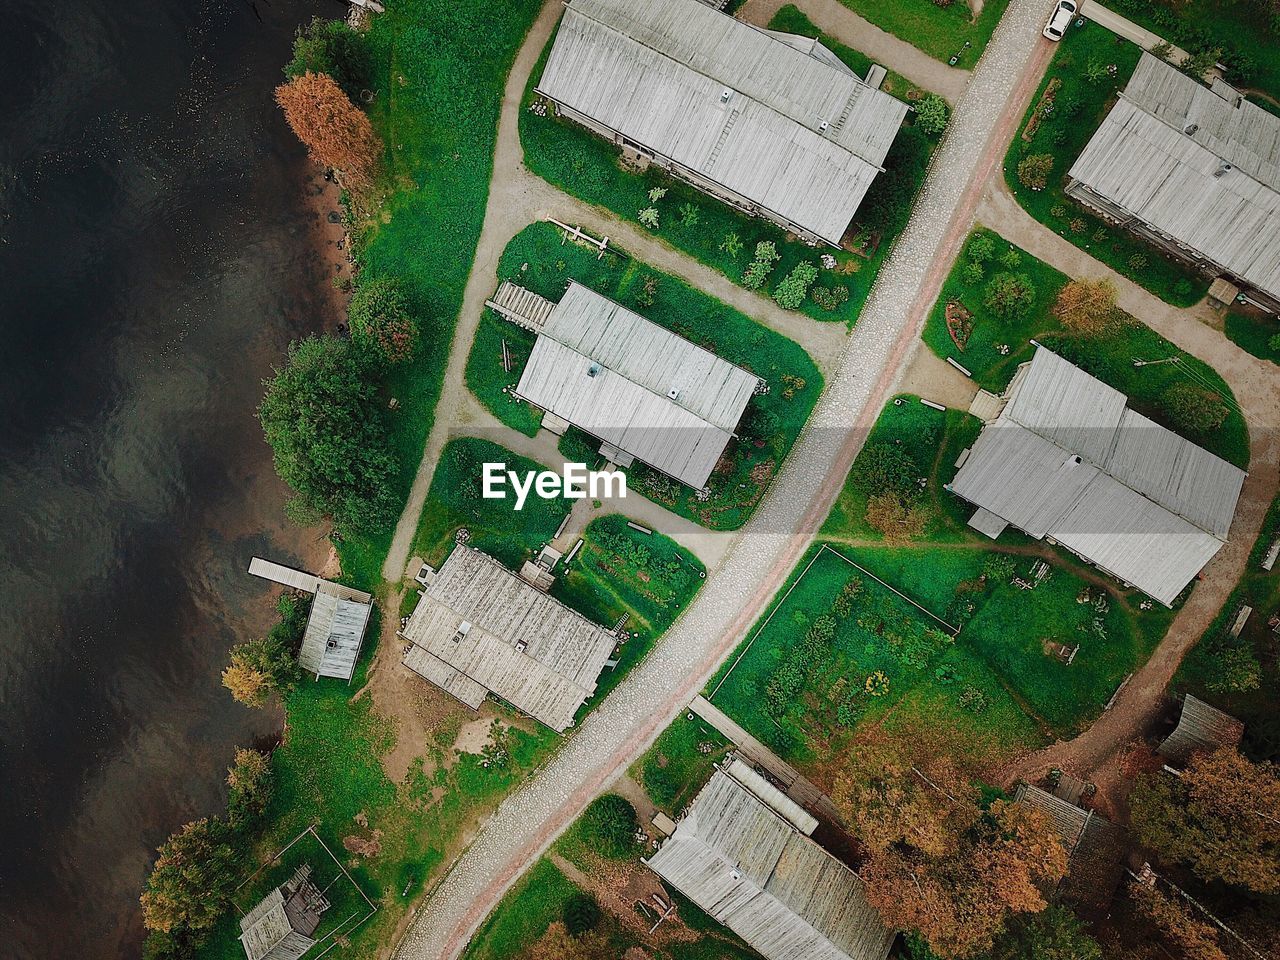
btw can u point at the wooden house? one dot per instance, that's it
(1066, 460)
(479, 629)
(744, 855)
(1193, 169)
(1201, 729)
(281, 927)
(648, 394)
(1095, 847)
(772, 123)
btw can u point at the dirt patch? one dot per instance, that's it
(619, 888)
(366, 847)
(474, 736)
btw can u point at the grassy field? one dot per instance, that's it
(682, 759)
(537, 259)
(791, 19)
(1083, 91)
(997, 346)
(490, 381)
(581, 163)
(941, 32)
(1254, 333)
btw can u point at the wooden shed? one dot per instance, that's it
(479, 628)
(1067, 460)
(1095, 847)
(752, 867)
(1201, 729)
(771, 122)
(282, 925)
(1194, 170)
(647, 393)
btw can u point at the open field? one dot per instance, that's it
(940, 31)
(996, 346)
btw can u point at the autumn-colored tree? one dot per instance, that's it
(258, 668)
(190, 881)
(896, 519)
(1088, 306)
(558, 944)
(335, 131)
(1221, 817)
(249, 782)
(959, 901)
(1053, 934)
(1177, 922)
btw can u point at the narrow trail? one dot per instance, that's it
(763, 553)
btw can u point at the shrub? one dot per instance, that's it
(609, 824)
(380, 320)
(1194, 409)
(981, 248)
(932, 113)
(249, 785)
(1033, 171)
(790, 293)
(1011, 259)
(973, 700)
(1010, 294)
(648, 291)
(648, 217)
(972, 273)
(333, 48)
(897, 521)
(998, 567)
(731, 245)
(762, 264)
(689, 215)
(657, 193)
(1183, 289)
(581, 913)
(830, 298)
(1078, 225)
(884, 468)
(1274, 343)
(1137, 262)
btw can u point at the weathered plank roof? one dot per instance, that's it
(1068, 459)
(280, 927)
(657, 72)
(1201, 728)
(645, 390)
(480, 628)
(1144, 160)
(757, 874)
(1095, 848)
(335, 631)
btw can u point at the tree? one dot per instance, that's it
(981, 248)
(1221, 818)
(332, 48)
(884, 468)
(609, 825)
(249, 782)
(932, 113)
(334, 130)
(324, 423)
(257, 669)
(380, 319)
(896, 519)
(1194, 409)
(1033, 171)
(1194, 938)
(1052, 934)
(887, 204)
(581, 913)
(191, 880)
(1087, 306)
(1010, 295)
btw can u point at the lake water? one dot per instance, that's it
(157, 253)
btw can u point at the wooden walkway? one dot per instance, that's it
(798, 787)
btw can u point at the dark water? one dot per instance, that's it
(156, 255)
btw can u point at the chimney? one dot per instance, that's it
(1223, 169)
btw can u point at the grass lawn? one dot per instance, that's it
(537, 259)
(490, 381)
(1062, 120)
(941, 32)
(1258, 334)
(1240, 675)
(680, 761)
(996, 347)
(496, 527)
(791, 19)
(581, 163)
(620, 572)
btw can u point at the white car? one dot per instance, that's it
(1060, 19)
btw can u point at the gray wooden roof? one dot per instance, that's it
(335, 631)
(645, 390)
(1067, 459)
(1095, 847)
(1143, 160)
(281, 926)
(1201, 729)
(753, 871)
(656, 72)
(480, 628)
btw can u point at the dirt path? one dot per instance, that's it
(838, 21)
(1097, 754)
(931, 377)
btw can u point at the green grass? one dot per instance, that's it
(1254, 333)
(581, 163)
(675, 768)
(496, 527)
(941, 32)
(490, 382)
(1109, 357)
(533, 904)
(537, 259)
(791, 19)
(1079, 105)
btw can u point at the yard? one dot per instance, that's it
(539, 259)
(992, 348)
(1089, 68)
(1255, 332)
(581, 163)
(942, 30)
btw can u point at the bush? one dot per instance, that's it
(830, 298)
(972, 273)
(249, 786)
(1194, 409)
(981, 248)
(380, 320)
(885, 468)
(762, 264)
(790, 293)
(1033, 171)
(689, 215)
(333, 48)
(581, 913)
(1274, 343)
(609, 825)
(1010, 295)
(731, 245)
(932, 113)
(648, 217)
